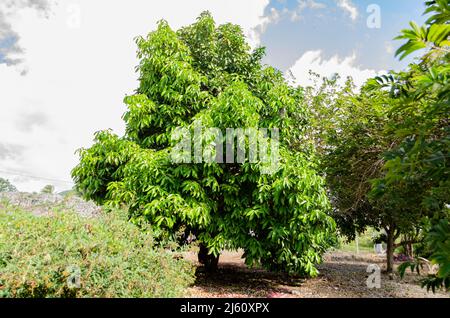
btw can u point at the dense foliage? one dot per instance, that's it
(65, 255)
(205, 75)
(437, 240)
(417, 173)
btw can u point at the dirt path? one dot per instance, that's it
(341, 275)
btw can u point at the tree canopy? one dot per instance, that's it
(206, 77)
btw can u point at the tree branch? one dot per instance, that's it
(407, 242)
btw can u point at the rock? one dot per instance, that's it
(44, 204)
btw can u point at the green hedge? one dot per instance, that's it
(68, 256)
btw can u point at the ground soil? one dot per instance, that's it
(342, 275)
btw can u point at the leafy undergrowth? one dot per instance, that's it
(66, 255)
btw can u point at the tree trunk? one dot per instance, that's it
(390, 250)
(208, 260)
(409, 250)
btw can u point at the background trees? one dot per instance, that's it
(349, 130)
(206, 76)
(417, 170)
(48, 189)
(384, 149)
(6, 186)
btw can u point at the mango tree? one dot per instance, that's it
(196, 84)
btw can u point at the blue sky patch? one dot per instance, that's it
(298, 26)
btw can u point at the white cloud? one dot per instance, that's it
(78, 77)
(10, 51)
(295, 15)
(348, 6)
(274, 16)
(312, 4)
(389, 46)
(345, 67)
(255, 34)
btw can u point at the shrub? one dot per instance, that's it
(66, 255)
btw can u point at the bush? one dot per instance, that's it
(69, 256)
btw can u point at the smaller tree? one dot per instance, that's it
(350, 133)
(6, 186)
(417, 173)
(48, 189)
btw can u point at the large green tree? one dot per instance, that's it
(206, 76)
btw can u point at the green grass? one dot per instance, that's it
(365, 241)
(351, 247)
(69, 256)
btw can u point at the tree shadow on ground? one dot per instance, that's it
(237, 279)
(335, 280)
(342, 275)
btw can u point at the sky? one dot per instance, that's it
(66, 65)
